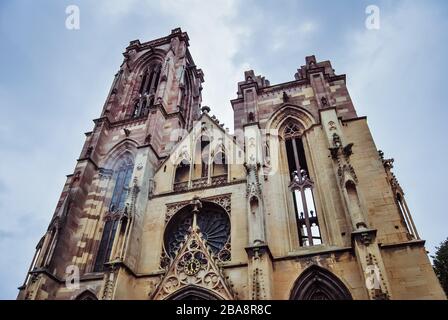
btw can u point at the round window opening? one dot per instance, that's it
(213, 222)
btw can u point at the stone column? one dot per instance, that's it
(260, 257)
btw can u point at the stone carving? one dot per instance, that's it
(341, 154)
(109, 283)
(253, 181)
(377, 287)
(332, 126)
(285, 97)
(336, 140)
(347, 170)
(223, 200)
(388, 165)
(194, 265)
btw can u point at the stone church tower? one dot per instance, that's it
(165, 203)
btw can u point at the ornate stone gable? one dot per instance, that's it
(194, 265)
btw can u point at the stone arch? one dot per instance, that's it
(192, 292)
(317, 283)
(289, 111)
(154, 56)
(125, 148)
(86, 295)
(151, 59)
(187, 100)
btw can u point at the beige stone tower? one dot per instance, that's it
(164, 203)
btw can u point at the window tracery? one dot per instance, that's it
(301, 187)
(213, 222)
(121, 189)
(147, 91)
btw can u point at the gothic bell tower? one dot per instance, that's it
(97, 224)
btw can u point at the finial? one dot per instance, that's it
(205, 109)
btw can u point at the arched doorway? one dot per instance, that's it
(192, 292)
(86, 295)
(316, 283)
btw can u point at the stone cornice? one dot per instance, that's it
(198, 189)
(135, 44)
(289, 84)
(418, 243)
(354, 119)
(128, 121)
(317, 252)
(144, 118)
(45, 272)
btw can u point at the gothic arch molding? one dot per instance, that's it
(287, 111)
(86, 295)
(316, 283)
(153, 56)
(222, 201)
(123, 148)
(192, 292)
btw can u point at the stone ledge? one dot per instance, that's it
(317, 250)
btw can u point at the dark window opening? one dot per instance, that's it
(148, 89)
(182, 172)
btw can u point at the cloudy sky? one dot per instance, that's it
(54, 81)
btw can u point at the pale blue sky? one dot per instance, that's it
(53, 82)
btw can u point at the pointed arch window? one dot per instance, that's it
(182, 176)
(220, 166)
(147, 91)
(121, 189)
(301, 187)
(150, 80)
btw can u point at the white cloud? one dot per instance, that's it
(215, 37)
(284, 34)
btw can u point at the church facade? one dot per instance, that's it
(165, 203)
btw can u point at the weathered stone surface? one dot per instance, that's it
(356, 196)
